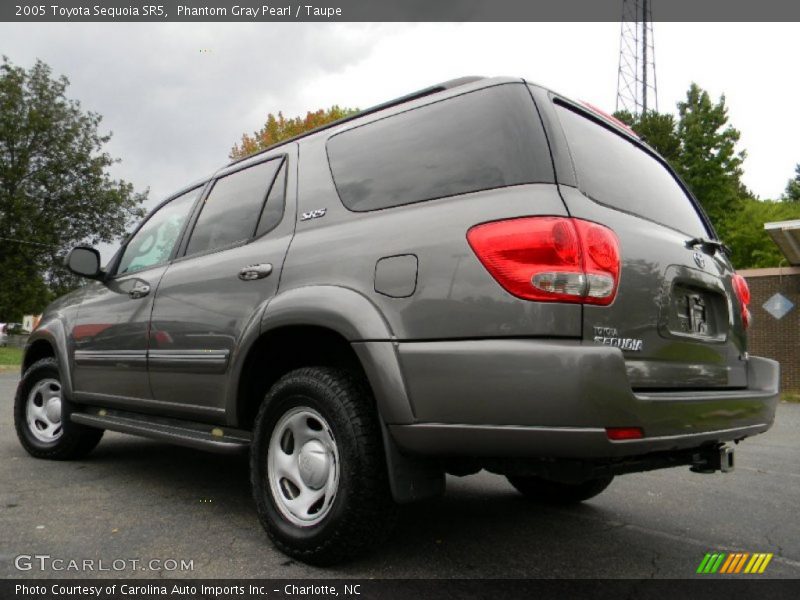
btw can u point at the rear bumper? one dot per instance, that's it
(528, 398)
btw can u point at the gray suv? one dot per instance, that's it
(480, 275)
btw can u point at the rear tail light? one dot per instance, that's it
(555, 259)
(743, 294)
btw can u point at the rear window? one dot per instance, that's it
(477, 141)
(616, 172)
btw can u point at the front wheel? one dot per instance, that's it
(40, 418)
(546, 491)
(317, 466)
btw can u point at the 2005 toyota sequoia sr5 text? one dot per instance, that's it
(480, 275)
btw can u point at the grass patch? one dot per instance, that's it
(11, 357)
(790, 397)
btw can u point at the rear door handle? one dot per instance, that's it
(253, 272)
(140, 290)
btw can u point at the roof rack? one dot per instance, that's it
(439, 87)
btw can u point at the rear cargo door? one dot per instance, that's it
(676, 317)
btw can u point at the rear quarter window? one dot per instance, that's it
(614, 171)
(481, 140)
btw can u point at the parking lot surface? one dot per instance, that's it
(138, 500)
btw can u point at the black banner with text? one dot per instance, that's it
(286, 11)
(395, 589)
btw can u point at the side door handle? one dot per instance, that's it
(140, 290)
(252, 272)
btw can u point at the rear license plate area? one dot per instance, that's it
(694, 313)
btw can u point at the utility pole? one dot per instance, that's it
(636, 75)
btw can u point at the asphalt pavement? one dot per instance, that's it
(137, 501)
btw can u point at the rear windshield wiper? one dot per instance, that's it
(710, 246)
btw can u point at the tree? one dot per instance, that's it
(701, 146)
(712, 167)
(709, 162)
(751, 245)
(55, 189)
(277, 129)
(657, 129)
(792, 193)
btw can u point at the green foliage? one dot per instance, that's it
(657, 129)
(10, 357)
(744, 232)
(55, 190)
(792, 193)
(277, 129)
(701, 146)
(708, 161)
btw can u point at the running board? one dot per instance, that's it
(183, 433)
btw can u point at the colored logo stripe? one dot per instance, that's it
(758, 563)
(727, 564)
(711, 562)
(733, 563)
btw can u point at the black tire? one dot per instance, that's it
(545, 491)
(75, 441)
(362, 510)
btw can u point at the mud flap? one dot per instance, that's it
(411, 479)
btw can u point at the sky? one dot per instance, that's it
(177, 96)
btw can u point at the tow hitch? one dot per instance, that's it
(713, 459)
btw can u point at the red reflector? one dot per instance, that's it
(742, 289)
(553, 259)
(624, 433)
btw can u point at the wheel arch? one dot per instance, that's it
(278, 351)
(49, 340)
(36, 351)
(318, 326)
(332, 326)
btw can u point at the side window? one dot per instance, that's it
(154, 242)
(481, 140)
(231, 210)
(276, 202)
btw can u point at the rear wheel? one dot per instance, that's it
(317, 467)
(41, 416)
(546, 491)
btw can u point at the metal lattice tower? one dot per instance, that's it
(636, 77)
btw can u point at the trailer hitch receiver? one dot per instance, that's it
(718, 458)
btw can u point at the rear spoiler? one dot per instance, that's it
(610, 119)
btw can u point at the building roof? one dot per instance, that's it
(787, 235)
